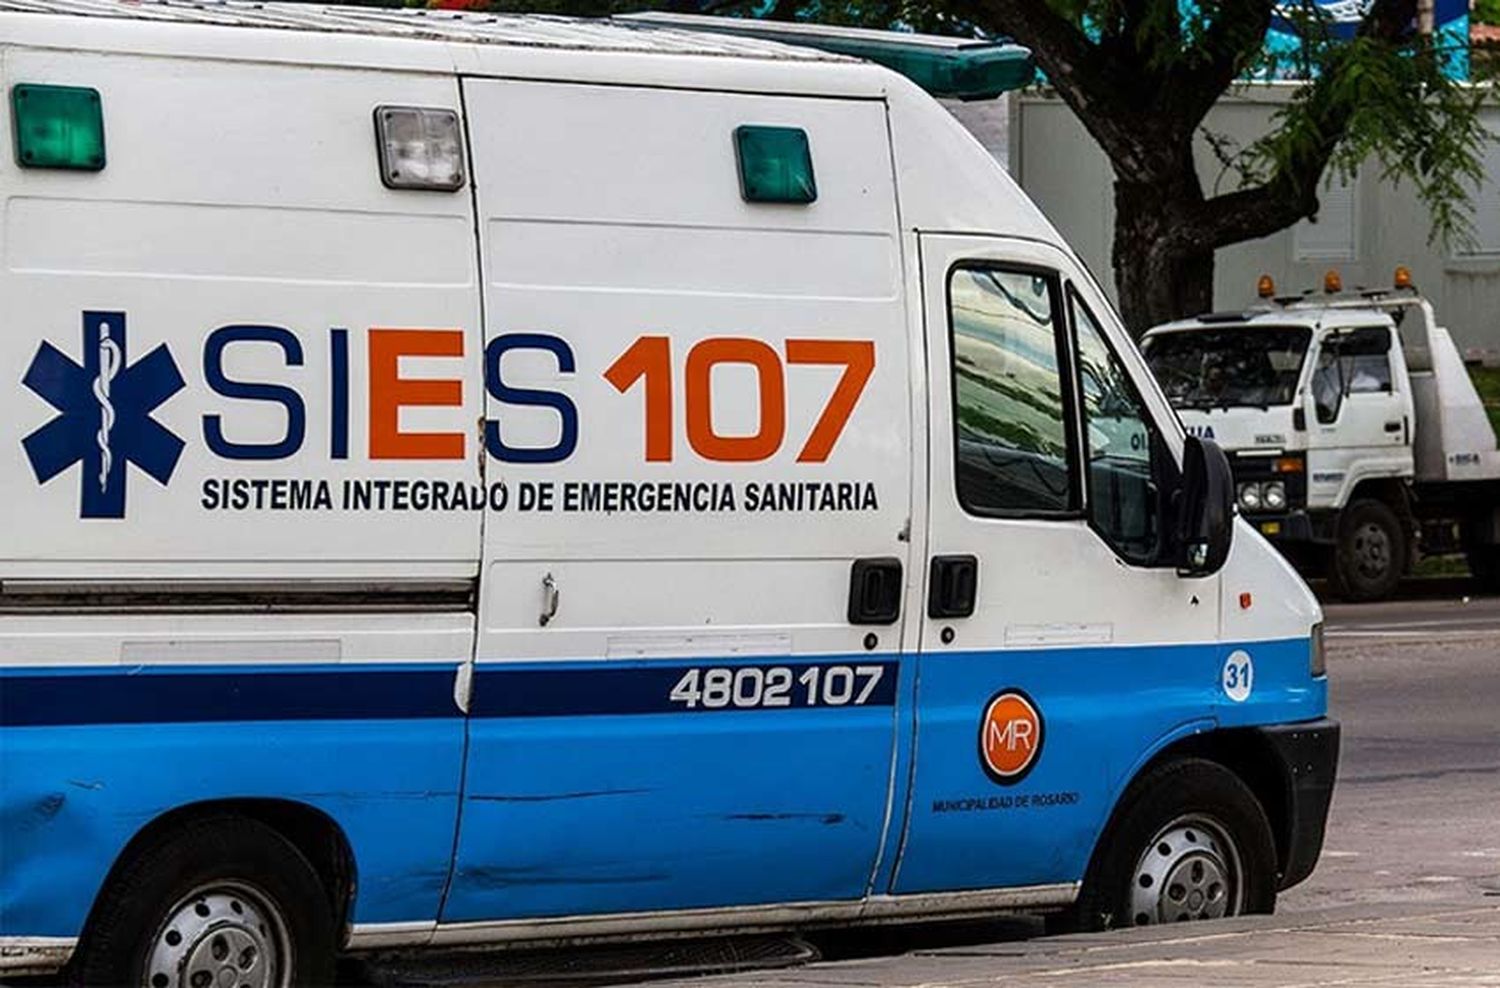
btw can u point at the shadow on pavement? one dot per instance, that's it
(1416, 588)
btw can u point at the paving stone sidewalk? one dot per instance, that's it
(1413, 946)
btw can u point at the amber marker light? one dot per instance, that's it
(1403, 276)
(1332, 283)
(1265, 287)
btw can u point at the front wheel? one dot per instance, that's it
(1370, 556)
(1190, 842)
(225, 902)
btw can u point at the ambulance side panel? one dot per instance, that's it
(692, 720)
(187, 332)
(224, 246)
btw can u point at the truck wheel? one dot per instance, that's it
(1190, 841)
(224, 902)
(1370, 557)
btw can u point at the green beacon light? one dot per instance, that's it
(58, 127)
(775, 164)
(950, 68)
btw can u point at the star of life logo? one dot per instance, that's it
(104, 421)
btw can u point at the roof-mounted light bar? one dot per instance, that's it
(1403, 291)
(954, 68)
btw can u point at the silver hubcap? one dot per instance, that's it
(223, 935)
(1190, 870)
(1372, 550)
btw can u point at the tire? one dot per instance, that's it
(1370, 557)
(218, 895)
(1189, 841)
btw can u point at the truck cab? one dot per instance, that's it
(1356, 439)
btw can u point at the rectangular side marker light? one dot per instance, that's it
(775, 164)
(420, 148)
(58, 127)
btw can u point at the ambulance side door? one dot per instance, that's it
(701, 424)
(1056, 653)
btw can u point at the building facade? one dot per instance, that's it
(1364, 229)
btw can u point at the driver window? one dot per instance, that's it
(1351, 362)
(1328, 384)
(1012, 453)
(1117, 442)
(1366, 355)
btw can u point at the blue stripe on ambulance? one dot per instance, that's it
(1107, 711)
(594, 793)
(156, 694)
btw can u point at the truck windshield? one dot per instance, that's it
(1240, 365)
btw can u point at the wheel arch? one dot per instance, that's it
(316, 835)
(1394, 493)
(1247, 754)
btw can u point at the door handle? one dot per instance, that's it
(550, 594)
(953, 586)
(1393, 427)
(875, 590)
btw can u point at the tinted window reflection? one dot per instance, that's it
(1008, 399)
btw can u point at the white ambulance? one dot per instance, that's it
(478, 480)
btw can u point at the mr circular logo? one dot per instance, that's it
(1010, 737)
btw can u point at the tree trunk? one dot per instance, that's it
(1157, 278)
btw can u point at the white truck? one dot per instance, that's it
(1357, 440)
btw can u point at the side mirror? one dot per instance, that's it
(1205, 509)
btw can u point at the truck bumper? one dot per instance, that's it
(1309, 752)
(1297, 526)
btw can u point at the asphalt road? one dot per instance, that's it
(1416, 812)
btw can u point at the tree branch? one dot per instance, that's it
(1291, 192)
(1093, 84)
(1232, 41)
(784, 10)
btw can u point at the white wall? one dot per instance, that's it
(1364, 231)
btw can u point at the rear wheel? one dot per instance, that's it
(1370, 556)
(225, 902)
(1190, 842)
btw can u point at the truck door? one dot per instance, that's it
(1056, 652)
(1361, 400)
(699, 412)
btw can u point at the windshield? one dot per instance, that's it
(1240, 365)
